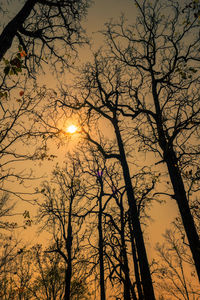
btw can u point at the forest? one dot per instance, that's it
(99, 136)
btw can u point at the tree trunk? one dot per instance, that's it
(135, 262)
(184, 209)
(68, 243)
(142, 255)
(67, 282)
(101, 262)
(128, 287)
(177, 183)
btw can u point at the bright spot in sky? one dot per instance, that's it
(72, 129)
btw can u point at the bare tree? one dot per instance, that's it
(99, 85)
(162, 67)
(18, 138)
(104, 177)
(49, 274)
(62, 202)
(37, 274)
(175, 267)
(16, 274)
(103, 174)
(9, 244)
(41, 26)
(37, 33)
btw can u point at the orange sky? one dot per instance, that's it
(100, 12)
(162, 215)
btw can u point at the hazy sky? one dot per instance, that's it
(103, 10)
(100, 12)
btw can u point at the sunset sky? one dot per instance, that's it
(66, 130)
(100, 12)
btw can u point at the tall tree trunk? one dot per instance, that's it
(135, 262)
(142, 255)
(128, 287)
(68, 244)
(9, 32)
(177, 183)
(67, 282)
(184, 209)
(101, 260)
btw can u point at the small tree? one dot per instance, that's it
(63, 199)
(175, 268)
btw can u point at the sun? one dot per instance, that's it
(71, 129)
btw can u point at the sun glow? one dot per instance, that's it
(71, 129)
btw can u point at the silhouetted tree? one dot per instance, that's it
(18, 136)
(100, 194)
(42, 26)
(37, 33)
(118, 254)
(161, 59)
(101, 92)
(175, 268)
(37, 274)
(104, 177)
(121, 234)
(49, 274)
(63, 199)
(16, 276)
(9, 245)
